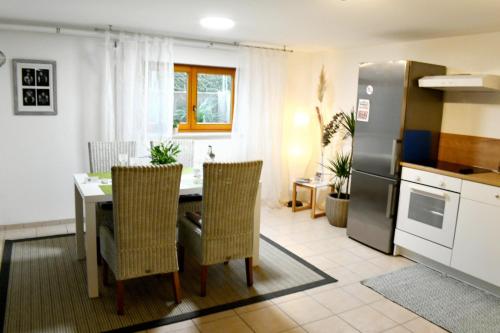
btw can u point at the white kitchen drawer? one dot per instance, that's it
(432, 179)
(423, 247)
(481, 192)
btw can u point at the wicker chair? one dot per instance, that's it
(143, 241)
(104, 155)
(225, 231)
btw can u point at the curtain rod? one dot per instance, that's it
(96, 32)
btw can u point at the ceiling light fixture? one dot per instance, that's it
(217, 23)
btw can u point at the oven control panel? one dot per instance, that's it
(432, 179)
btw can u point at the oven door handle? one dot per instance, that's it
(440, 196)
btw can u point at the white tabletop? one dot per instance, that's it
(91, 191)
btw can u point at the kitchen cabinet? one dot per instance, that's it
(476, 249)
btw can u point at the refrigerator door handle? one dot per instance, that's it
(389, 210)
(395, 152)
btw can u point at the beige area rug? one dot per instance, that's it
(43, 289)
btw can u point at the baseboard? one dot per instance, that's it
(36, 224)
(458, 275)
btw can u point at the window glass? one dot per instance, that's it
(213, 98)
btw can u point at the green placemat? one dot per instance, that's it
(107, 189)
(100, 175)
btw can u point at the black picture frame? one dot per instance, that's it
(35, 88)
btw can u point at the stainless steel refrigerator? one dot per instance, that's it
(395, 121)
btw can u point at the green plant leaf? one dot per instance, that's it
(165, 153)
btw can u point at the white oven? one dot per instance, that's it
(428, 207)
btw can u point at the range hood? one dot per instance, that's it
(461, 82)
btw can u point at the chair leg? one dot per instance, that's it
(99, 256)
(180, 257)
(203, 280)
(105, 273)
(177, 287)
(119, 297)
(249, 271)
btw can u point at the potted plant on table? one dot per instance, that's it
(337, 202)
(164, 153)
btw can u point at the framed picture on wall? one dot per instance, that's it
(35, 90)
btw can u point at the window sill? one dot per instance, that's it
(202, 135)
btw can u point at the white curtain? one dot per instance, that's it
(258, 116)
(139, 89)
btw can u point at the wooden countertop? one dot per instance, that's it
(488, 178)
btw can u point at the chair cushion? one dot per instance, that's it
(194, 217)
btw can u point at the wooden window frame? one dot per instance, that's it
(192, 71)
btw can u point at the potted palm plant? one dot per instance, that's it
(337, 202)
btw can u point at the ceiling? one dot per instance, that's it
(301, 24)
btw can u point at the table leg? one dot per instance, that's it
(256, 229)
(313, 202)
(91, 250)
(294, 197)
(80, 242)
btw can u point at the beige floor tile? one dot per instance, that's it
(365, 269)
(323, 288)
(268, 320)
(295, 330)
(321, 262)
(183, 326)
(367, 320)
(214, 316)
(420, 325)
(393, 311)
(343, 257)
(343, 275)
(337, 300)
(305, 310)
(365, 252)
(331, 324)
(253, 307)
(288, 297)
(363, 293)
(398, 329)
(301, 250)
(391, 263)
(229, 325)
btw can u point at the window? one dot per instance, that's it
(204, 98)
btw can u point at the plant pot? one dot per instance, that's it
(336, 210)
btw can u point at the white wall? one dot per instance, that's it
(39, 154)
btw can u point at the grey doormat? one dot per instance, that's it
(43, 289)
(449, 303)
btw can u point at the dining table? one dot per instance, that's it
(94, 188)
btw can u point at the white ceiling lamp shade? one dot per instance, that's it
(217, 23)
